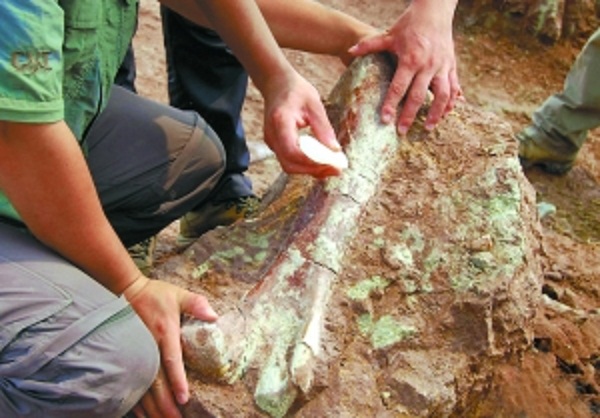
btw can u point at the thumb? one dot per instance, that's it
(322, 129)
(374, 43)
(197, 306)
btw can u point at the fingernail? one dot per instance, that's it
(429, 126)
(182, 398)
(211, 312)
(402, 130)
(386, 118)
(353, 49)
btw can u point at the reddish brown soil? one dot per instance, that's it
(560, 375)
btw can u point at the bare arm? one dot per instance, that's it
(44, 174)
(291, 103)
(422, 40)
(306, 25)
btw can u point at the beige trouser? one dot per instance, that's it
(570, 114)
(68, 347)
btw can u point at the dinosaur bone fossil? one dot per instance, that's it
(276, 330)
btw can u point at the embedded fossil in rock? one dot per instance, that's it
(436, 238)
(276, 329)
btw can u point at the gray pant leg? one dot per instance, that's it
(573, 112)
(68, 347)
(151, 163)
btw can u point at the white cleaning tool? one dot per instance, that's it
(319, 153)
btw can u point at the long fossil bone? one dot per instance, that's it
(276, 330)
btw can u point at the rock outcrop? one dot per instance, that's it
(392, 290)
(549, 20)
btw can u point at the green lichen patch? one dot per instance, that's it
(384, 332)
(363, 289)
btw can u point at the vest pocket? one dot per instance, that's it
(82, 14)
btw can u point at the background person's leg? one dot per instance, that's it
(205, 76)
(127, 71)
(68, 347)
(573, 112)
(560, 125)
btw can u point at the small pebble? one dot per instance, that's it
(545, 209)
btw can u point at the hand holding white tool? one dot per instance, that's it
(319, 153)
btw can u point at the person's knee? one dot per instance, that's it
(125, 360)
(207, 151)
(103, 375)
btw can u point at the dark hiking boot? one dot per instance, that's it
(142, 254)
(211, 215)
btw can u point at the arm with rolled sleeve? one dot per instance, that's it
(42, 167)
(31, 62)
(30, 68)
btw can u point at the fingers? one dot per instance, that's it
(158, 401)
(299, 163)
(138, 410)
(447, 91)
(281, 133)
(296, 162)
(321, 127)
(455, 91)
(160, 306)
(299, 109)
(400, 85)
(198, 307)
(413, 92)
(440, 86)
(172, 362)
(421, 40)
(323, 131)
(170, 346)
(374, 43)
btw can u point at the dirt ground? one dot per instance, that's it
(509, 76)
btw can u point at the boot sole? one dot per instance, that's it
(550, 167)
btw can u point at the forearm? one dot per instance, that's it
(309, 26)
(441, 12)
(45, 176)
(443, 6)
